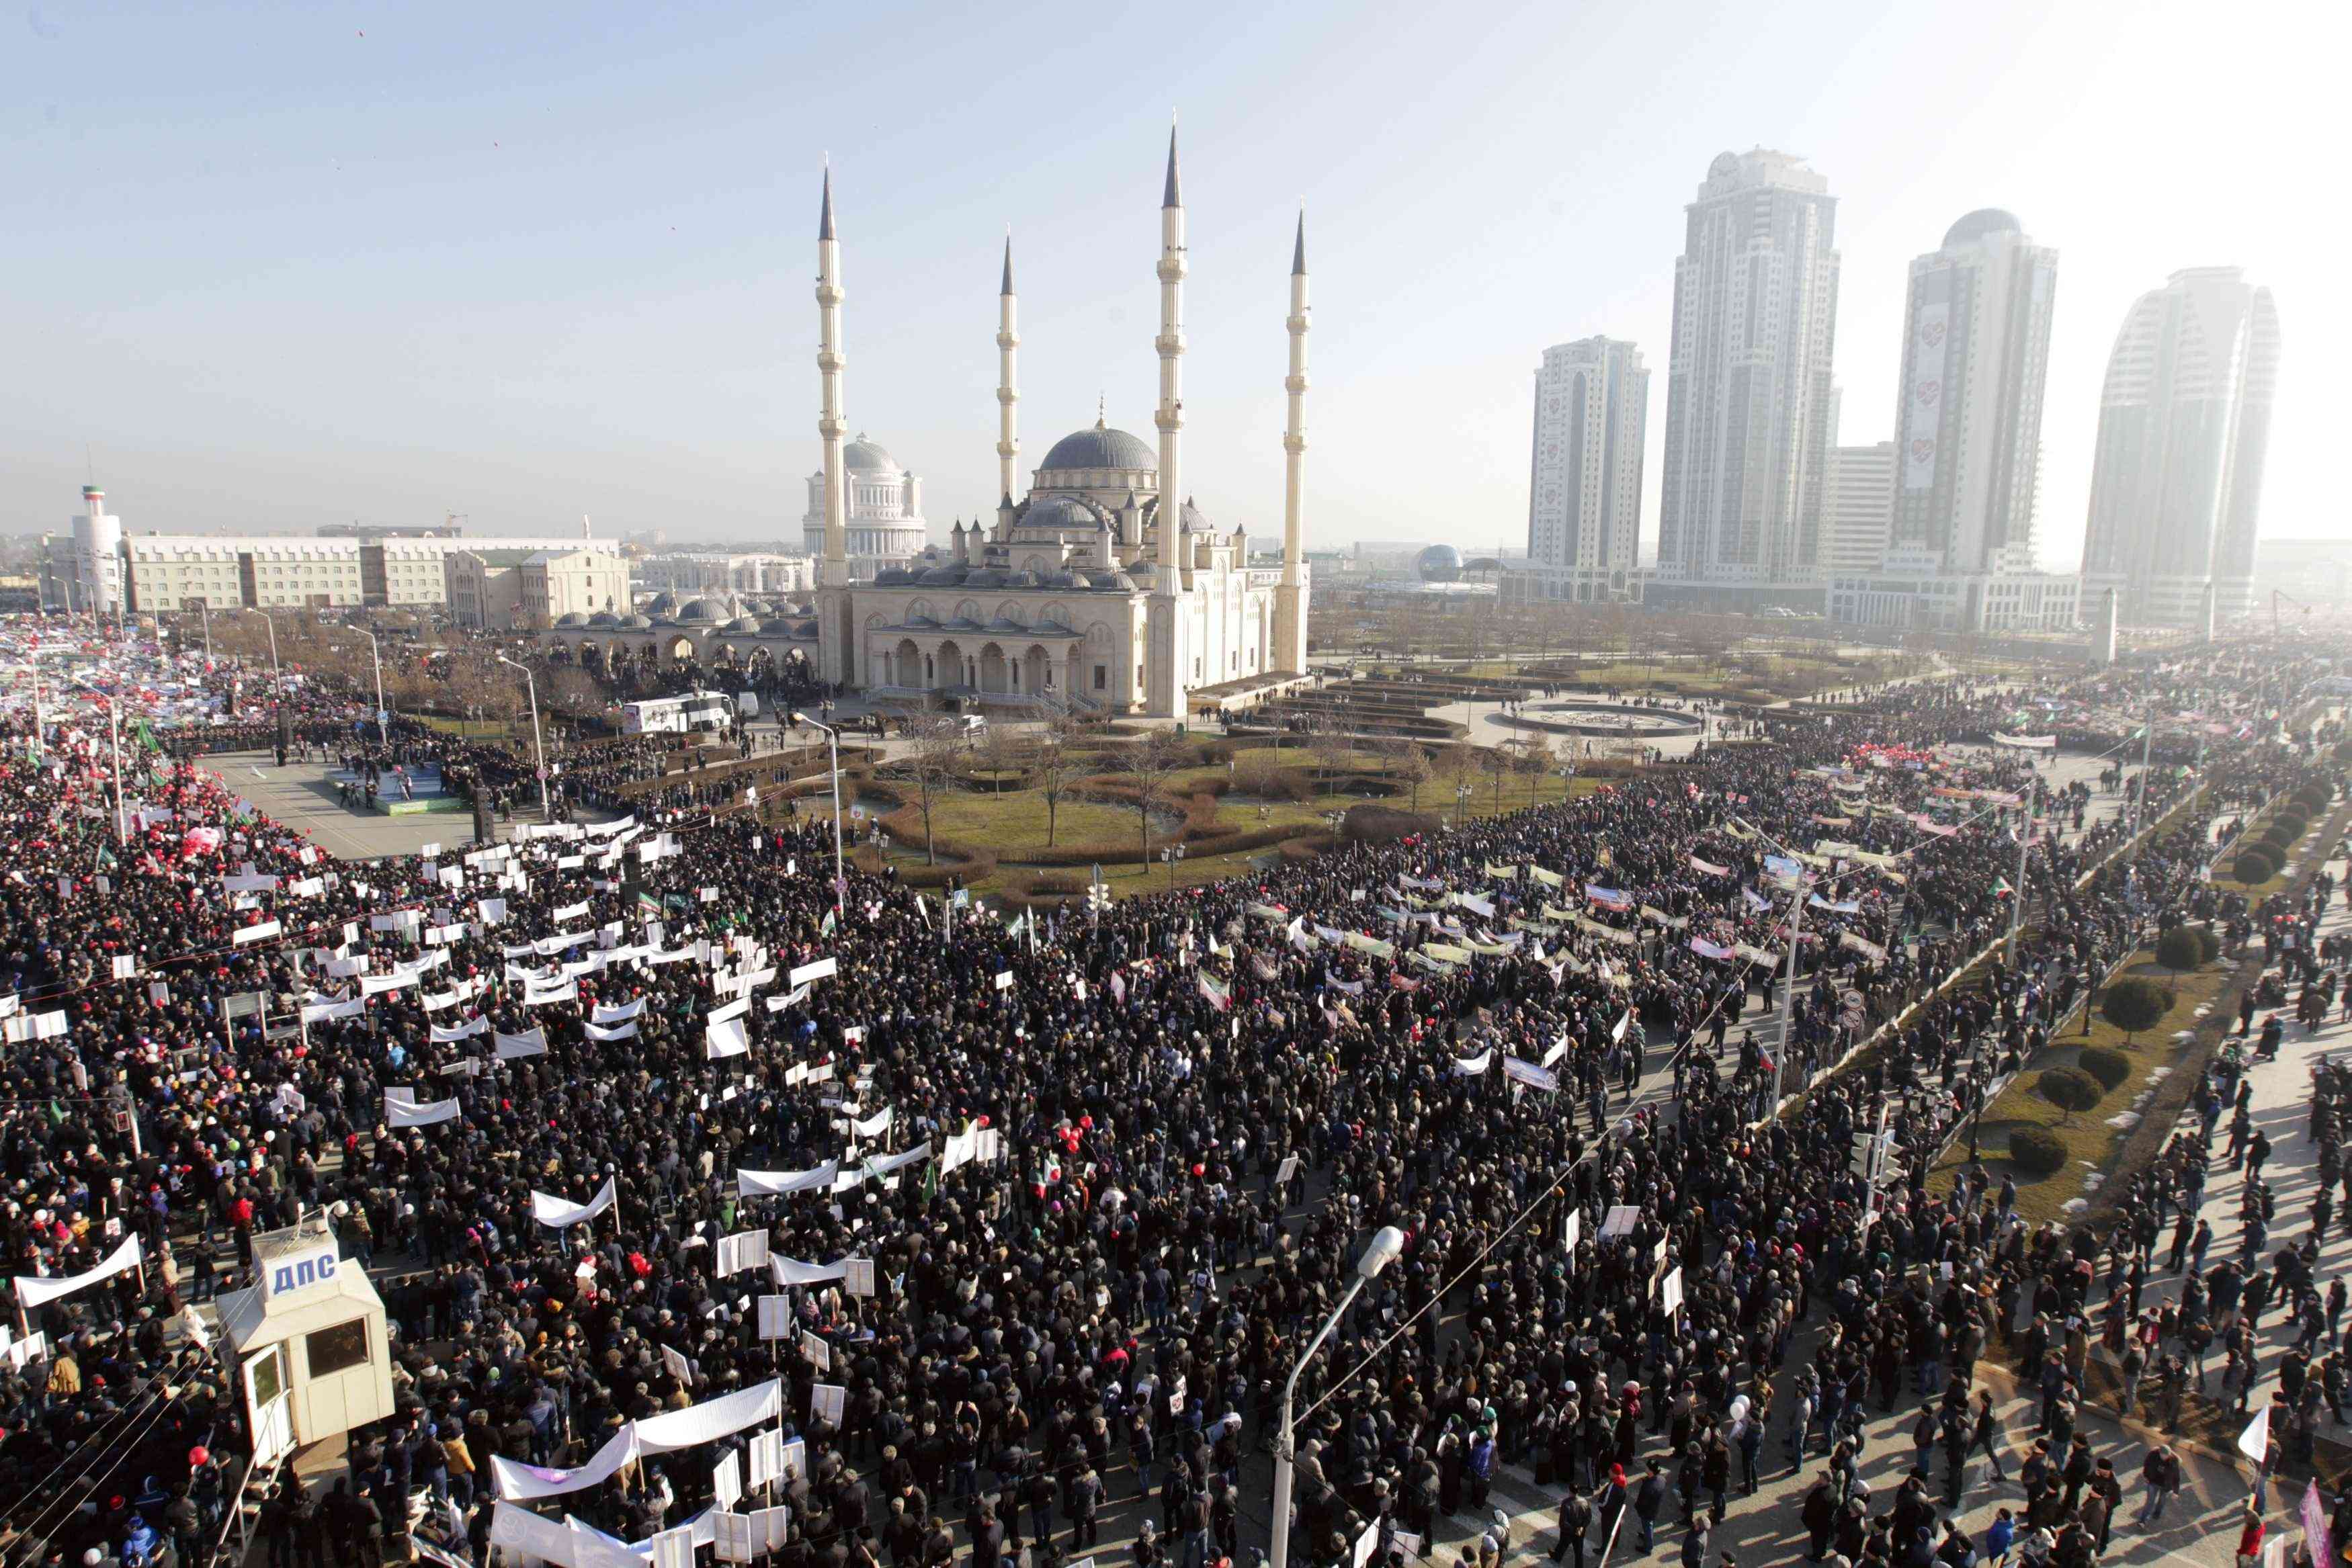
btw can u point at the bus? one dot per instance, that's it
(677, 716)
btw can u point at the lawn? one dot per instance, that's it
(2091, 1144)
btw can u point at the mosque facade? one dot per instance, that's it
(1098, 590)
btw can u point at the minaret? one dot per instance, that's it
(834, 660)
(1170, 658)
(1008, 339)
(1290, 650)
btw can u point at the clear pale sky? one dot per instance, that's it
(277, 265)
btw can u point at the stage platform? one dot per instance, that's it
(425, 794)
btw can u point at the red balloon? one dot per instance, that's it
(199, 1457)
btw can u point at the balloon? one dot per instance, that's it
(1739, 1408)
(199, 1457)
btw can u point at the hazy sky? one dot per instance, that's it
(277, 265)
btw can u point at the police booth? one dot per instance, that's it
(309, 1341)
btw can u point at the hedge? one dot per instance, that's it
(2254, 866)
(2037, 1150)
(2069, 1089)
(1384, 824)
(2111, 1067)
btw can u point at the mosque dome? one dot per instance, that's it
(1062, 511)
(701, 609)
(869, 456)
(572, 618)
(1101, 447)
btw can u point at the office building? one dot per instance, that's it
(1861, 499)
(2184, 427)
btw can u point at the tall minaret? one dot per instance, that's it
(1290, 650)
(1170, 658)
(1008, 339)
(834, 655)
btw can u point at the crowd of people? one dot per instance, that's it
(1201, 1103)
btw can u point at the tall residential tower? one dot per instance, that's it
(1975, 351)
(1747, 388)
(2184, 426)
(1584, 483)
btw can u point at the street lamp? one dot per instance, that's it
(1461, 793)
(277, 682)
(375, 655)
(833, 749)
(546, 811)
(1170, 854)
(1382, 1250)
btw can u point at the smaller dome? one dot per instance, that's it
(893, 577)
(1981, 224)
(1006, 624)
(638, 623)
(744, 625)
(920, 620)
(943, 577)
(1061, 512)
(573, 618)
(1024, 579)
(984, 577)
(1193, 522)
(1118, 582)
(701, 609)
(1074, 580)
(758, 607)
(1438, 563)
(1060, 580)
(661, 603)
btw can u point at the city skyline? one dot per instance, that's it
(432, 267)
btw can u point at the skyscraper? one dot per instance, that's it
(1975, 351)
(1584, 486)
(2184, 426)
(1747, 388)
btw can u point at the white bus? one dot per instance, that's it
(676, 715)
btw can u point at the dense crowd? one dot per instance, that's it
(1203, 1104)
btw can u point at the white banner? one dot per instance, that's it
(402, 1109)
(36, 1292)
(556, 1213)
(773, 1184)
(1923, 400)
(530, 1043)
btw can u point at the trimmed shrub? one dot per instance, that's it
(2293, 824)
(2254, 866)
(2037, 1151)
(2111, 1067)
(2209, 941)
(2312, 798)
(2134, 1004)
(2179, 950)
(2069, 1088)
(1299, 852)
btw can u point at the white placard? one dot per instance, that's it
(828, 1402)
(816, 1350)
(775, 1318)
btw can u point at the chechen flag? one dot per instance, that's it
(2001, 888)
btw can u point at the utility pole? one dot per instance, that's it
(2017, 893)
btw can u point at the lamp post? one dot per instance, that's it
(1796, 928)
(833, 749)
(1461, 793)
(1171, 856)
(538, 746)
(277, 682)
(375, 656)
(1382, 1251)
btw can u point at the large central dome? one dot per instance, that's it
(1101, 447)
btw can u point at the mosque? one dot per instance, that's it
(1097, 590)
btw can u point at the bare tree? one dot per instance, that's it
(1535, 755)
(1057, 765)
(1495, 762)
(1408, 764)
(1146, 763)
(934, 758)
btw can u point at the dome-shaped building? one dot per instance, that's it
(1438, 563)
(1104, 588)
(885, 527)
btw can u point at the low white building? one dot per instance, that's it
(1909, 591)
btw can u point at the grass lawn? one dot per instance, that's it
(1015, 821)
(2091, 1144)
